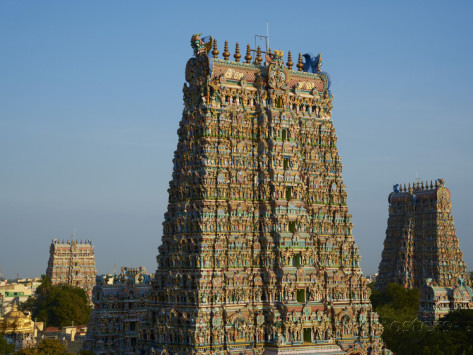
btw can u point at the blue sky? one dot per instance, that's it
(90, 102)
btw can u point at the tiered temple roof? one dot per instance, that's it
(436, 302)
(258, 253)
(119, 322)
(72, 262)
(421, 241)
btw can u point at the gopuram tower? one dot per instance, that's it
(72, 262)
(258, 254)
(421, 241)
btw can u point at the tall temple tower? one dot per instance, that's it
(72, 263)
(421, 242)
(257, 254)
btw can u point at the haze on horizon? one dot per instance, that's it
(91, 99)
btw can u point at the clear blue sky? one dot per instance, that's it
(90, 101)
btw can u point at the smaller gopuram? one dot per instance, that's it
(72, 263)
(119, 323)
(435, 301)
(421, 241)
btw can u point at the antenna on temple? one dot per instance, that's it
(267, 35)
(266, 38)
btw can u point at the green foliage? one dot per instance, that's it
(27, 351)
(6, 348)
(398, 298)
(405, 334)
(58, 305)
(46, 347)
(51, 347)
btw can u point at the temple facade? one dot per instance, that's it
(257, 254)
(436, 301)
(119, 322)
(421, 241)
(72, 263)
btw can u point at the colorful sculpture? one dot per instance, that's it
(421, 241)
(119, 323)
(257, 254)
(72, 262)
(18, 328)
(437, 301)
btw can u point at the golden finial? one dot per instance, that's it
(226, 53)
(405, 188)
(422, 185)
(299, 63)
(237, 54)
(431, 185)
(258, 58)
(215, 50)
(289, 60)
(248, 54)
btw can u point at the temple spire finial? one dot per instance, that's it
(289, 60)
(299, 63)
(258, 58)
(226, 53)
(237, 54)
(248, 56)
(215, 51)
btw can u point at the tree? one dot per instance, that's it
(59, 305)
(398, 298)
(27, 351)
(405, 334)
(46, 347)
(6, 348)
(51, 347)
